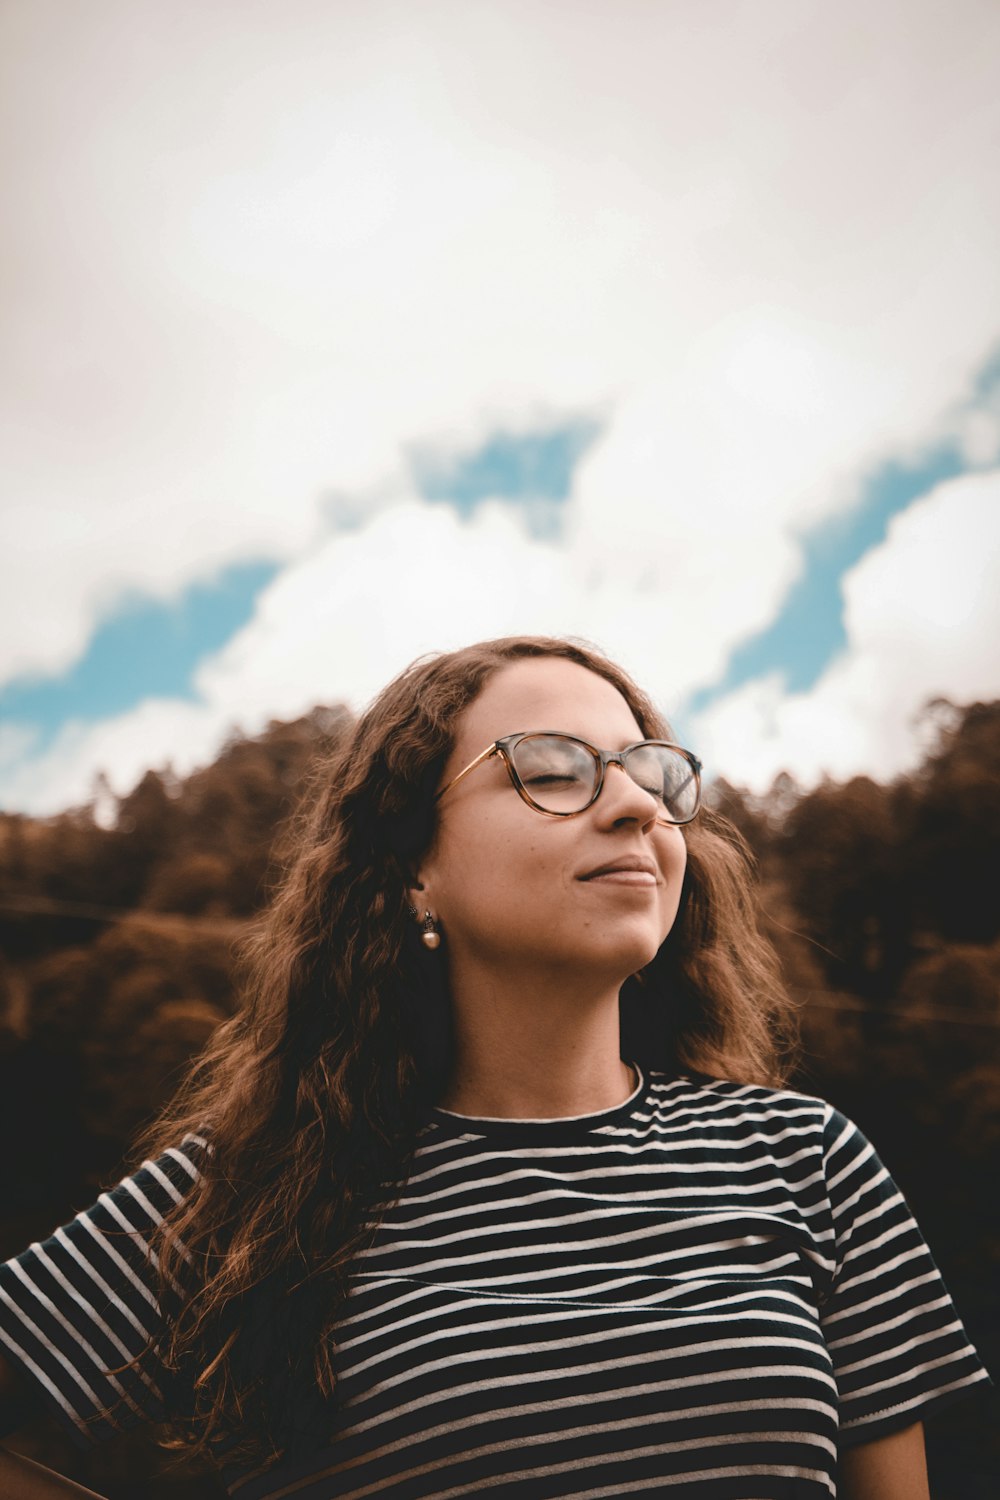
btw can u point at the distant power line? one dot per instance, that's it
(45, 906)
(837, 1000)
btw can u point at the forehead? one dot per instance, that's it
(546, 693)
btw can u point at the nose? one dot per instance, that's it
(621, 799)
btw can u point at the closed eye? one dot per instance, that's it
(553, 778)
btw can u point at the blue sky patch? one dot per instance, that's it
(150, 649)
(515, 466)
(809, 631)
(146, 649)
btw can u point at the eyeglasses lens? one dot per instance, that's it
(560, 775)
(668, 776)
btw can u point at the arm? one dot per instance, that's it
(895, 1337)
(29, 1481)
(890, 1468)
(20, 1476)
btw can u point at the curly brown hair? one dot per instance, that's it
(313, 1094)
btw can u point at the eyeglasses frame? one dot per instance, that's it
(604, 758)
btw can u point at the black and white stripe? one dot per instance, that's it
(710, 1287)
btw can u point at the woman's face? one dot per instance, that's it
(509, 886)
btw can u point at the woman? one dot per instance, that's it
(492, 1185)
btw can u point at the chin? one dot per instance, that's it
(629, 956)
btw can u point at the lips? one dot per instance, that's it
(627, 864)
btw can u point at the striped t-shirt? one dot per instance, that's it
(711, 1288)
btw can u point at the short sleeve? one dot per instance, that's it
(78, 1310)
(899, 1349)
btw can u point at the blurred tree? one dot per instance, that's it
(192, 882)
(964, 979)
(146, 828)
(840, 844)
(949, 818)
(49, 868)
(743, 810)
(88, 1007)
(801, 957)
(235, 808)
(134, 1066)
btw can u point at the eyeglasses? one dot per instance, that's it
(560, 775)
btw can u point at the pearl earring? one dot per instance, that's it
(430, 937)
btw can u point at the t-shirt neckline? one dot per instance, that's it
(549, 1128)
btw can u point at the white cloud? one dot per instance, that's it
(978, 433)
(252, 255)
(155, 733)
(922, 616)
(337, 624)
(17, 743)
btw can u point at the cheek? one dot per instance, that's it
(674, 865)
(672, 852)
(508, 881)
(482, 864)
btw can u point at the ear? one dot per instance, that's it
(421, 882)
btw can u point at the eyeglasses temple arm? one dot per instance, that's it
(470, 767)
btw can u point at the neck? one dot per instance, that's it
(528, 1050)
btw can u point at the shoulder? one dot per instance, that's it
(752, 1119)
(161, 1181)
(81, 1311)
(112, 1237)
(726, 1098)
(730, 1108)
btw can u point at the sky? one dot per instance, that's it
(340, 332)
